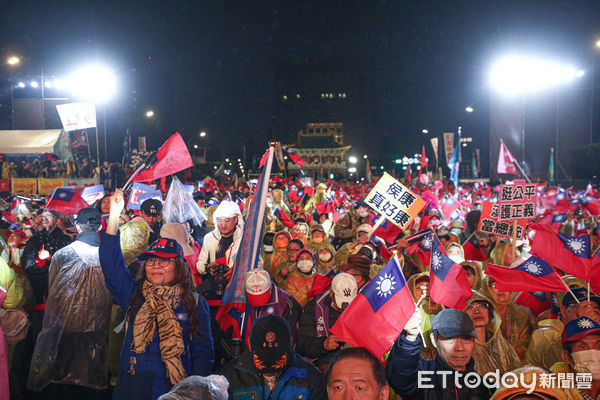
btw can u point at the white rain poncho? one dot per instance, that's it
(72, 346)
(180, 205)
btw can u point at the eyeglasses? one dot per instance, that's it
(477, 306)
(159, 262)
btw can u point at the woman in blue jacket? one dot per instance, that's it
(167, 334)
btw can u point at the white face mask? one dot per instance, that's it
(268, 248)
(305, 266)
(456, 259)
(588, 361)
(364, 214)
(325, 257)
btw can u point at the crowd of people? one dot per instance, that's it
(127, 303)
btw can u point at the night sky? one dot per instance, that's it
(213, 66)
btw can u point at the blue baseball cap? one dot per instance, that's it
(579, 328)
(163, 248)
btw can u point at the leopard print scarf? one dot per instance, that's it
(157, 309)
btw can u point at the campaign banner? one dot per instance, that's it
(92, 194)
(448, 145)
(23, 185)
(76, 116)
(45, 185)
(435, 144)
(279, 156)
(81, 182)
(137, 190)
(394, 201)
(517, 201)
(489, 223)
(4, 185)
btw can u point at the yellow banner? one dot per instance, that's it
(23, 185)
(47, 184)
(394, 201)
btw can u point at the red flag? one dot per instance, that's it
(532, 275)
(506, 161)
(173, 156)
(449, 205)
(324, 207)
(447, 280)
(572, 254)
(285, 220)
(263, 159)
(537, 302)
(296, 159)
(423, 158)
(320, 284)
(67, 201)
(473, 252)
(378, 314)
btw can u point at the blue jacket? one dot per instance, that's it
(404, 364)
(143, 376)
(300, 380)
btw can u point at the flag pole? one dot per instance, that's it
(137, 171)
(514, 238)
(588, 291)
(522, 172)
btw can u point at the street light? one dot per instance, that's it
(425, 131)
(149, 114)
(352, 159)
(365, 156)
(195, 146)
(202, 134)
(469, 109)
(13, 60)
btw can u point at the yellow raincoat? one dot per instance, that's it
(493, 352)
(8, 280)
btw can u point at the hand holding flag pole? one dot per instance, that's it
(137, 171)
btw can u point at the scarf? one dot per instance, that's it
(157, 309)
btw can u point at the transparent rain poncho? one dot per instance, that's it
(180, 205)
(72, 346)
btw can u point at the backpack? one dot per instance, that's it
(14, 323)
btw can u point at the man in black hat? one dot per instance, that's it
(69, 360)
(413, 377)
(346, 228)
(270, 364)
(150, 210)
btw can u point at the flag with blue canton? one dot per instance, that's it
(375, 318)
(559, 218)
(447, 280)
(537, 302)
(454, 164)
(533, 274)
(580, 246)
(63, 194)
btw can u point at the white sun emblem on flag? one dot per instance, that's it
(436, 261)
(585, 324)
(533, 268)
(426, 243)
(577, 245)
(385, 285)
(538, 294)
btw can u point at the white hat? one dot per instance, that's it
(226, 209)
(344, 289)
(258, 287)
(364, 228)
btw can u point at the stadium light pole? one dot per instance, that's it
(97, 83)
(12, 61)
(516, 75)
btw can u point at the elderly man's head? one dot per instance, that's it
(453, 334)
(356, 374)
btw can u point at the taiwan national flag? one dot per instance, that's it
(537, 302)
(473, 252)
(420, 244)
(387, 231)
(572, 254)
(66, 201)
(283, 218)
(324, 207)
(447, 279)
(173, 156)
(379, 313)
(532, 275)
(296, 195)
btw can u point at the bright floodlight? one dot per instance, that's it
(352, 159)
(425, 131)
(21, 84)
(469, 109)
(94, 82)
(352, 170)
(34, 84)
(202, 134)
(149, 114)
(365, 156)
(13, 60)
(48, 84)
(518, 75)
(195, 146)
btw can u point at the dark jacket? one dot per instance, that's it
(404, 363)
(291, 311)
(309, 345)
(300, 380)
(345, 227)
(143, 376)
